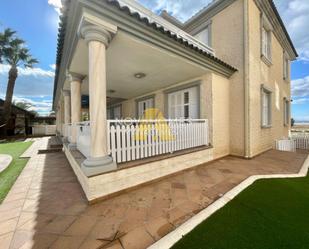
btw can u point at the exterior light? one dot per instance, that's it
(139, 75)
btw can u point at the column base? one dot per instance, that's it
(97, 166)
(72, 146)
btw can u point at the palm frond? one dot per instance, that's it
(16, 42)
(13, 50)
(9, 32)
(31, 62)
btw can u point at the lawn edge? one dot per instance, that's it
(173, 237)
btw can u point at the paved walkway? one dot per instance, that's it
(46, 207)
(5, 161)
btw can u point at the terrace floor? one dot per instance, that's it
(46, 208)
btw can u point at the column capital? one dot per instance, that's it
(66, 93)
(91, 32)
(75, 77)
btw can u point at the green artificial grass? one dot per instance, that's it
(270, 214)
(10, 174)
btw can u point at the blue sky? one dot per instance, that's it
(36, 21)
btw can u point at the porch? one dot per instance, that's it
(129, 93)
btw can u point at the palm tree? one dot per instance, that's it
(14, 53)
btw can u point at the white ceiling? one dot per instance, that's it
(127, 56)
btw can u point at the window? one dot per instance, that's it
(286, 110)
(183, 104)
(286, 66)
(204, 35)
(266, 43)
(266, 107)
(143, 105)
(114, 112)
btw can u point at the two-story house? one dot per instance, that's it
(160, 96)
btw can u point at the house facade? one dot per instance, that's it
(163, 96)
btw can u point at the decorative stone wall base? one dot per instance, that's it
(103, 185)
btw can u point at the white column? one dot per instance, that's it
(98, 40)
(61, 115)
(67, 107)
(76, 105)
(58, 120)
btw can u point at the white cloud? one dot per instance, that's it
(300, 88)
(301, 101)
(53, 66)
(56, 4)
(37, 72)
(180, 9)
(30, 82)
(296, 18)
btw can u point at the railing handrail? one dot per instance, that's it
(154, 120)
(84, 123)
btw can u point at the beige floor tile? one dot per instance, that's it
(8, 226)
(138, 238)
(64, 242)
(81, 226)
(59, 224)
(5, 240)
(159, 227)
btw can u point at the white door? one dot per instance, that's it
(117, 112)
(114, 112)
(183, 104)
(143, 105)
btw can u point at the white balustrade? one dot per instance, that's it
(286, 145)
(83, 137)
(137, 139)
(302, 140)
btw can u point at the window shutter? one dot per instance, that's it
(183, 104)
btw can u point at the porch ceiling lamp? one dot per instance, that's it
(139, 75)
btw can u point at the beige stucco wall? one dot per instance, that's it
(228, 43)
(221, 115)
(272, 77)
(214, 106)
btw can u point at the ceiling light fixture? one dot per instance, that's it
(139, 75)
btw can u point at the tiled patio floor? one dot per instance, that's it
(46, 208)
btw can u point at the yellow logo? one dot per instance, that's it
(154, 126)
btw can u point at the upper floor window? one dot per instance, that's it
(266, 107)
(204, 35)
(266, 43)
(286, 65)
(266, 31)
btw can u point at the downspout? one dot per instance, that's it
(246, 80)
